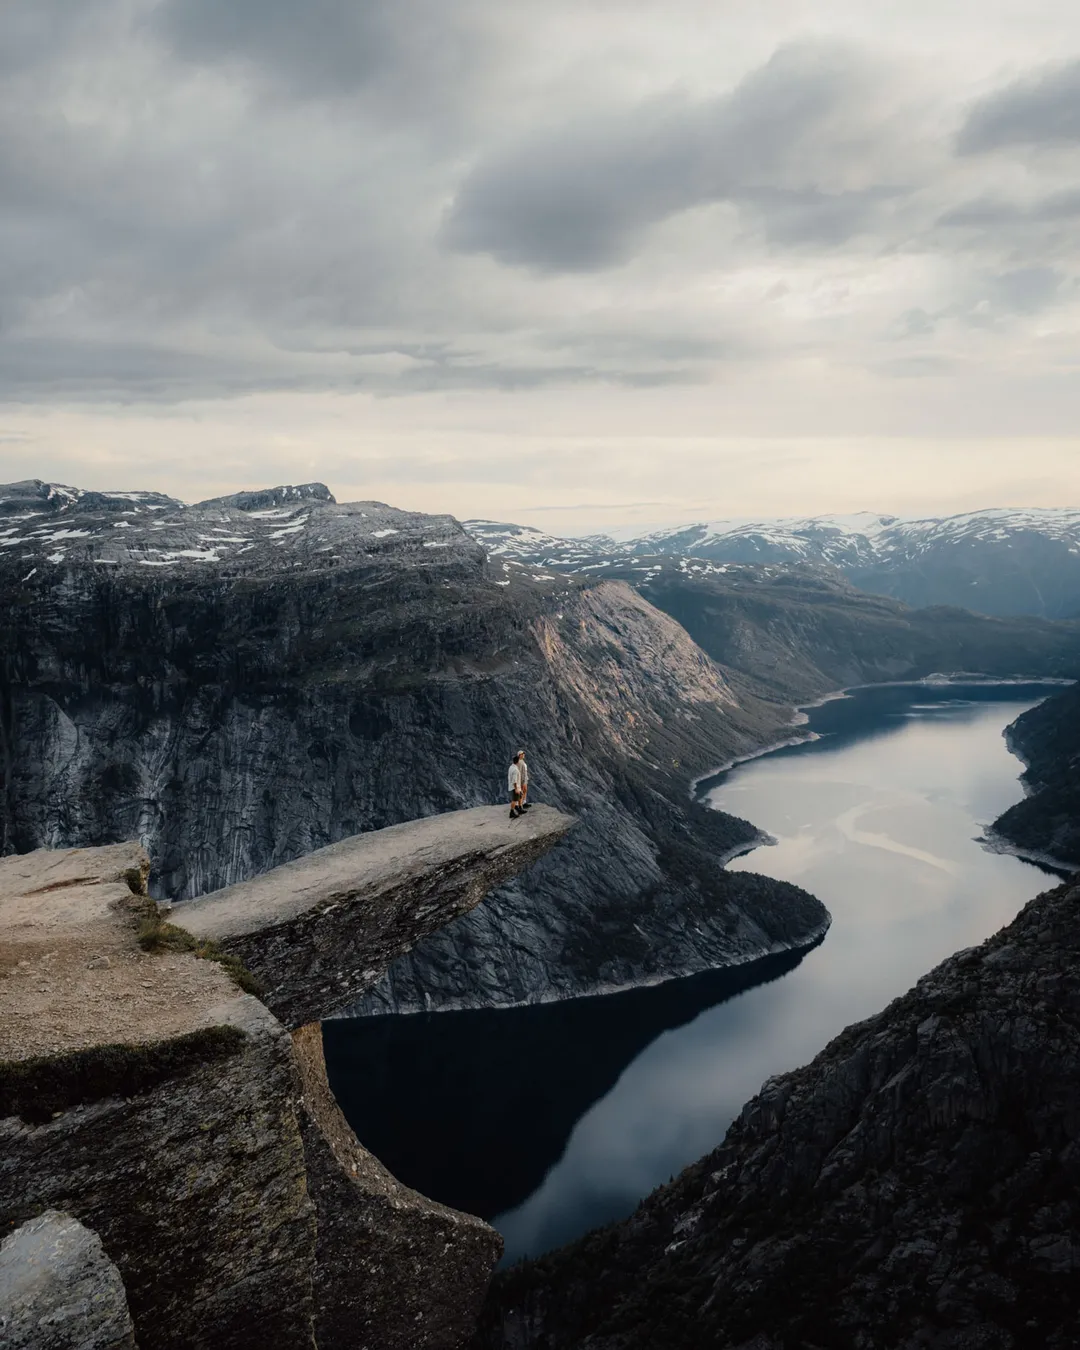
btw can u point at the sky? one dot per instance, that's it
(581, 264)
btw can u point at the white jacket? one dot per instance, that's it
(524, 770)
(513, 778)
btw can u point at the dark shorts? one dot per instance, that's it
(515, 796)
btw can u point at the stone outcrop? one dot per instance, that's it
(319, 932)
(144, 1094)
(151, 1099)
(240, 683)
(917, 1185)
(59, 1291)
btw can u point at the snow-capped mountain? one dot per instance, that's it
(997, 561)
(46, 526)
(524, 543)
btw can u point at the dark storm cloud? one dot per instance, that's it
(578, 197)
(207, 198)
(1041, 109)
(410, 50)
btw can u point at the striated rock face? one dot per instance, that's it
(625, 707)
(240, 683)
(59, 1291)
(185, 1156)
(319, 932)
(1046, 824)
(916, 1185)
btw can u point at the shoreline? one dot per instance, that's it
(995, 842)
(935, 681)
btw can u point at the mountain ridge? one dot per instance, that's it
(999, 561)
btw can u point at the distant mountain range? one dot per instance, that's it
(998, 562)
(1001, 561)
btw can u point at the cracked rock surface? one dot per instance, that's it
(59, 1291)
(319, 932)
(144, 1094)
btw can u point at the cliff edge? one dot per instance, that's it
(147, 1095)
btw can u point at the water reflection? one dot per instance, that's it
(498, 1095)
(552, 1119)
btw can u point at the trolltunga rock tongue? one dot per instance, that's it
(318, 932)
(145, 1095)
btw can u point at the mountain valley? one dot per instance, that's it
(241, 682)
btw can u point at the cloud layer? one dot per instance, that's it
(206, 201)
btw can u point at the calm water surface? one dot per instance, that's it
(550, 1120)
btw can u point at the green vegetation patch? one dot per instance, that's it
(155, 934)
(37, 1089)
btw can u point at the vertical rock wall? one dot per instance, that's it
(394, 1270)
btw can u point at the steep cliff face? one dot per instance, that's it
(1047, 822)
(916, 1185)
(624, 708)
(242, 682)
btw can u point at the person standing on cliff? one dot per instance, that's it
(524, 769)
(513, 779)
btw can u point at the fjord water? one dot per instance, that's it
(550, 1120)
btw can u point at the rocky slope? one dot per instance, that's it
(1008, 561)
(1047, 822)
(804, 631)
(917, 1185)
(241, 682)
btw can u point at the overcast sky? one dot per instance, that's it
(572, 262)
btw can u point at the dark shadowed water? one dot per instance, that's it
(552, 1119)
